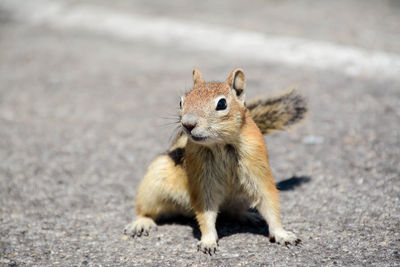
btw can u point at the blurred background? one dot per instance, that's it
(89, 92)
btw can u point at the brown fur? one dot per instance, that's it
(219, 164)
(278, 113)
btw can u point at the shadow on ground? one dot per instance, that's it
(292, 183)
(226, 226)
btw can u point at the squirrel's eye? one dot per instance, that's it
(221, 105)
(180, 103)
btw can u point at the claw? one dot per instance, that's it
(140, 227)
(139, 232)
(209, 247)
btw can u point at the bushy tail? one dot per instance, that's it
(278, 113)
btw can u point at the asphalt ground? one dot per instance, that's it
(82, 114)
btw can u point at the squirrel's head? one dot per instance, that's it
(213, 112)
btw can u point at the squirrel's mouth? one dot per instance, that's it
(198, 138)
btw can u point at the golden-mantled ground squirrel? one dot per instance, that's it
(218, 161)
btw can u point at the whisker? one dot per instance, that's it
(174, 114)
(168, 123)
(169, 118)
(174, 133)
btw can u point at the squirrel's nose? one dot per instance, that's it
(189, 122)
(189, 127)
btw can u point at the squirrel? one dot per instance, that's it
(218, 161)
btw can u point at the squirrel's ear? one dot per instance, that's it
(197, 76)
(237, 82)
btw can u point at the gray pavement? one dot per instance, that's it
(82, 114)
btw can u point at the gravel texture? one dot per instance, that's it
(82, 115)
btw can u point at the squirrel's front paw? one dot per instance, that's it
(285, 238)
(141, 226)
(208, 245)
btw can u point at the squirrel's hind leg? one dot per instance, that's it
(238, 210)
(253, 218)
(162, 192)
